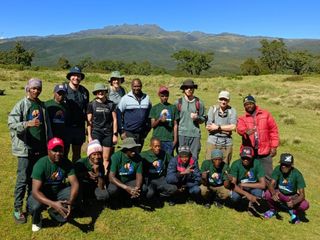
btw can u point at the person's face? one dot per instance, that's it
(116, 82)
(223, 102)
(188, 91)
(95, 158)
(75, 79)
(155, 147)
(59, 96)
(246, 162)
(34, 92)
(131, 153)
(184, 158)
(101, 94)
(136, 87)
(217, 162)
(285, 168)
(164, 96)
(56, 154)
(250, 107)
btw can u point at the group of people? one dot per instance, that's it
(43, 133)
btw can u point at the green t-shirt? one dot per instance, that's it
(36, 136)
(216, 177)
(164, 130)
(58, 115)
(155, 166)
(83, 166)
(251, 174)
(125, 168)
(288, 184)
(52, 175)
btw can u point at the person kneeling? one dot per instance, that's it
(48, 186)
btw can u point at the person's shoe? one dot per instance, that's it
(294, 219)
(207, 205)
(269, 214)
(171, 203)
(217, 204)
(19, 217)
(37, 227)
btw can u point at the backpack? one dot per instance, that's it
(179, 106)
(216, 108)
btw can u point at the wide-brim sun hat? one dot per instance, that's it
(188, 83)
(75, 70)
(99, 87)
(129, 143)
(116, 75)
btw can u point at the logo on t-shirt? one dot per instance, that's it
(127, 169)
(56, 177)
(216, 178)
(156, 167)
(249, 177)
(286, 186)
(166, 113)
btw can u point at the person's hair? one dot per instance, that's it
(136, 80)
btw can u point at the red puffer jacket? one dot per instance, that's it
(267, 130)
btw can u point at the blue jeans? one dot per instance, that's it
(167, 146)
(236, 197)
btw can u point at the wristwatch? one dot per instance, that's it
(219, 127)
(116, 133)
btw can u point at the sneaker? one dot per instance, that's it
(294, 219)
(207, 205)
(19, 217)
(171, 203)
(37, 227)
(269, 214)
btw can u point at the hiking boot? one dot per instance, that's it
(19, 217)
(269, 214)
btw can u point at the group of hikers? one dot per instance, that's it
(43, 133)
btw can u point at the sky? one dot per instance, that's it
(269, 18)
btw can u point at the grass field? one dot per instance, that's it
(296, 108)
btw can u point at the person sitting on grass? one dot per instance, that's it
(215, 179)
(287, 190)
(49, 188)
(183, 171)
(247, 178)
(91, 175)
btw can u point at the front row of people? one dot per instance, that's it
(61, 186)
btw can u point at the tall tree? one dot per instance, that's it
(20, 55)
(63, 63)
(300, 62)
(250, 67)
(193, 62)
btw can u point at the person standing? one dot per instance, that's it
(116, 91)
(191, 115)
(135, 107)
(164, 118)
(30, 130)
(259, 130)
(77, 99)
(102, 122)
(222, 121)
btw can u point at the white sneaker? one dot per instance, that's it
(37, 227)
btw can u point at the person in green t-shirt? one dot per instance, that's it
(215, 179)
(57, 111)
(126, 171)
(90, 172)
(164, 118)
(247, 178)
(155, 164)
(49, 187)
(287, 190)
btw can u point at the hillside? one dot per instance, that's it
(148, 42)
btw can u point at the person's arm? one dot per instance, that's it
(172, 175)
(242, 126)
(115, 128)
(204, 178)
(261, 184)
(74, 188)
(242, 192)
(89, 126)
(274, 135)
(139, 180)
(300, 198)
(175, 133)
(114, 180)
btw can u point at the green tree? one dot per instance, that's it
(274, 55)
(20, 55)
(86, 63)
(300, 62)
(193, 62)
(63, 63)
(250, 67)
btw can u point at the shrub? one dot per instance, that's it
(293, 79)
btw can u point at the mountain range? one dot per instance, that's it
(149, 42)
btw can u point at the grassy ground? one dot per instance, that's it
(296, 108)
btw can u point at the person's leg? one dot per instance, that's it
(209, 148)
(35, 208)
(167, 146)
(235, 197)
(195, 146)
(195, 193)
(163, 187)
(256, 192)
(267, 165)
(221, 192)
(106, 143)
(227, 154)
(205, 192)
(76, 152)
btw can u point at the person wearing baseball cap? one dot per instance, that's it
(287, 189)
(91, 174)
(57, 111)
(215, 181)
(222, 121)
(30, 130)
(164, 121)
(48, 185)
(183, 171)
(258, 129)
(247, 178)
(77, 97)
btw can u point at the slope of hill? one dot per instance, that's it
(148, 42)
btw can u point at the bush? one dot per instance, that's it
(293, 79)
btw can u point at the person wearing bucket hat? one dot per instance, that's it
(102, 122)
(287, 190)
(77, 98)
(57, 109)
(215, 181)
(258, 129)
(183, 171)
(116, 91)
(125, 175)
(164, 121)
(91, 174)
(191, 114)
(248, 179)
(222, 121)
(48, 186)
(30, 129)
(135, 108)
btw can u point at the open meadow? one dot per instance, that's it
(295, 105)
